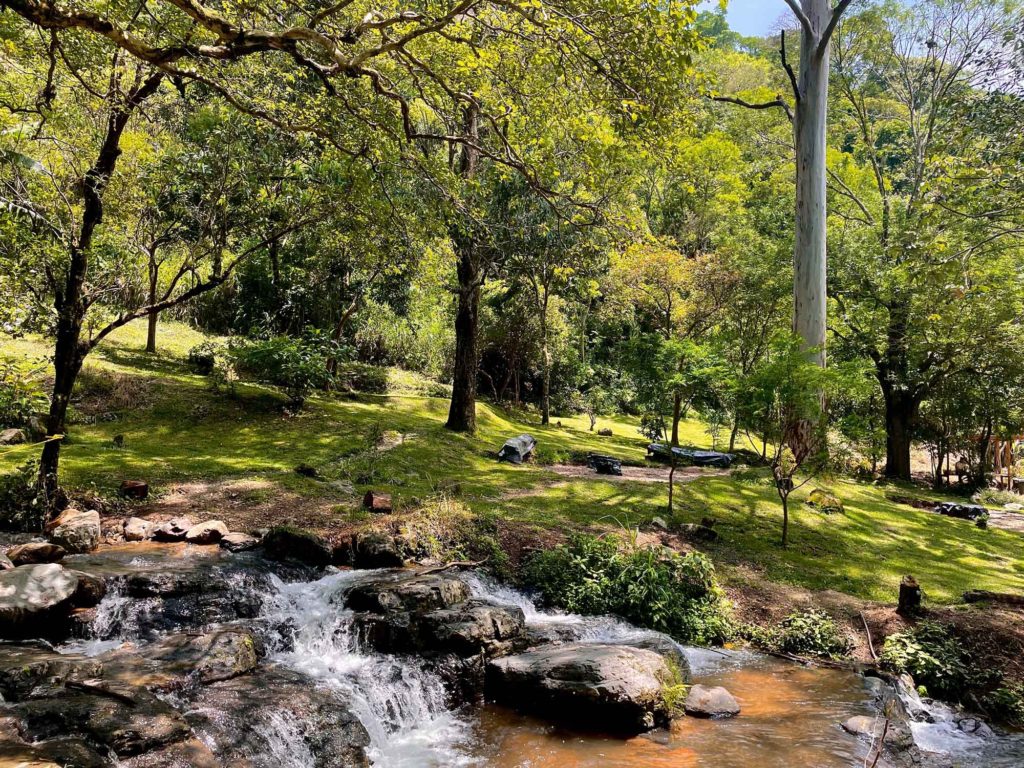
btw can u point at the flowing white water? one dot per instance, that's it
(400, 702)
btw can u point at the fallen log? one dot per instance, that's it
(985, 596)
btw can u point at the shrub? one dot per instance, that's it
(202, 358)
(672, 594)
(21, 392)
(995, 497)
(22, 506)
(295, 365)
(361, 377)
(813, 633)
(932, 656)
(1006, 703)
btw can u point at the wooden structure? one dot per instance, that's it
(1004, 455)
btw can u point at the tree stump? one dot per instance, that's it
(134, 489)
(377, 502)
(910, 597)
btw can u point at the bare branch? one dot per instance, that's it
(794, 6)
(826, 35)
(778, 103)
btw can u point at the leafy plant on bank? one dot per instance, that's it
(296, 365)
(933, 656)
(21, 392)
(22, 507)
(674, 594)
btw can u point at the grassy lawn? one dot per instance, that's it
(176, 428)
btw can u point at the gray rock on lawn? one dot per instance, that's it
(209, 532)
(76, 530)
(609, 687)
(137, 529)
(33, 595)
(717, 702)
(173, 530)
(239, 542)
(1013, 506)
(36, 552)
(12, 437)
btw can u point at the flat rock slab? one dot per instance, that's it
(24, 667)
(702, 701)
(209, 532)
(175, 660)
(36, 552)
(406, 591)
(57, 753)
(238, 542)
(610, 687)
(173, 530)
(30, 595)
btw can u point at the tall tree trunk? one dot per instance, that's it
(154, 274)
(545, 354)
(70, 301)
(785, 518)
(462, 411)
(733, 433)
(900, 413)
(677, 415)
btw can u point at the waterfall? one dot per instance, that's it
(398, 700)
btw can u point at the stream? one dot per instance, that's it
(791, 714)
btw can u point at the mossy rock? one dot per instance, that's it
(825, 502)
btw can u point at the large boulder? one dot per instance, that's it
(12, 437)
(36, 552)
(406, 591)
(284, 542)
(209, 532)
(609, 687)
(127, 720)
(173, 530)
(243, 717)
(137, 529)
(702, 701)
(76, 530)
(34, 597)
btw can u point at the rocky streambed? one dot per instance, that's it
(180, 654)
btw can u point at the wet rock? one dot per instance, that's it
(177, 660)
(36, 552)
(127, 720)
(173, 530)
(12, 437)
(134, 489)
(24, 667)
(238, 542)
(209, 532)
(473, 628)
(861, 725)
(288, 543)
(5, 563)
(702, 701)
(137, 529)
(609, 687)
(76, 530)
(33, 597)
(407, 591)
(57, 753)
(376, 551)
(91, 590)
(239, 718)
(191, 753)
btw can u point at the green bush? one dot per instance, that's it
(21, 504)
(648, 587)
(202, 358)
(361, 377)
(933, 656)
(1006, 703)
(812, 633)
(21, 392)
(296, 365)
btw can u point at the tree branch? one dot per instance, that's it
(778, 103)
(826, 35)
(794, 6)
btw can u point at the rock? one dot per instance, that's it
(5, 563)
(695, 532)
(860, 725)
(33, 596)
(377, 502)
(474, 628)
(36, 552)
(238, 717)
(606, 432)
(702, 701)
(238, 542)
(409, 591)
(12, 437)
(91, 590)
(962, 511)
(24, 667)
(174, 661)
(606, 687)
(137, 529)
(825, 502)
(191, 753)
(172, 530)
(376, 550)
(1013, 506)
(127, 720)
(209, 532)
(76, 530)
(134, 489)
(56, 753)
(288, 543)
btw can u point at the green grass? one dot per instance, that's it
(181, 430)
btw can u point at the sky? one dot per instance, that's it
(754, 17)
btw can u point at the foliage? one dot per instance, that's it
(933, 656)
(663, 591)
(202, 358)
(296, 365)
(813, 633)
(22, 507)
(1006, 703)
(21, 392)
